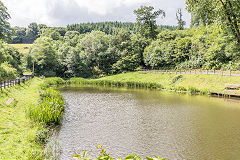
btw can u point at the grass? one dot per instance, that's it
(21, 137)
(117, 83)
(194, 83)
(22, 48)
(17, 132)
(25, 124)
(49, 109)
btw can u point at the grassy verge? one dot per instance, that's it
(25, 124)
(193, 83)
(181, 82)
(17, 132)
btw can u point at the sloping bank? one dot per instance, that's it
(25, 123)
(192, 83)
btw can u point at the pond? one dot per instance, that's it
(148, 123)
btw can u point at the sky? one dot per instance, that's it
(64, 12)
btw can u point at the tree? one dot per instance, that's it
(97, 52)
(19, 35)
(227, 12)
(45, 57)
(5, 29)
(32, 32)
(146, 17)
(70, 34)
(52, 33)
(181, 22)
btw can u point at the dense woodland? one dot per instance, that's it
(99, 49)
(34, 30)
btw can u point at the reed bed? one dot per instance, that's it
(111, 83)
(50, 107)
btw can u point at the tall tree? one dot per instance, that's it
(32, 32)
(146, 17)
(5, 29)
(227, 12)
(181, 22)
(45, 57)
(19, 35)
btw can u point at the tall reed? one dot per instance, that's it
(49, 109)
(110, 83)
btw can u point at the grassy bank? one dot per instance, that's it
(194, 83)
(25, 123)
(17, 132)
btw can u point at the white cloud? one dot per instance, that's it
(63, 12)
(28, 10)
(103, 7)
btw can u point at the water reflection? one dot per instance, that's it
(149, 123)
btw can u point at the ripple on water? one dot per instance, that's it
(148, 123)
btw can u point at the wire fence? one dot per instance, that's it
(197, 71)
(5, 84)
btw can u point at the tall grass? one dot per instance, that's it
(111, 83)
(48, 82)
(189, 83)
(50, 107)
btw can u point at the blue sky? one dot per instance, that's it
(63, 12)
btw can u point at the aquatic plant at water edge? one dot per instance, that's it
(106, 156)
(49, 109)
(48, 82)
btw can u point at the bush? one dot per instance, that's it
(197, 47)
(7, 72)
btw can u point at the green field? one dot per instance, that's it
(193, 83)
(170, 81)
(22, 48)
(17, 132)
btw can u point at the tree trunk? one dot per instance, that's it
(233, 22)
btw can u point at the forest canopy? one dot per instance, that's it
(105, 48)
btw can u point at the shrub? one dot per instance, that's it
(7, 72)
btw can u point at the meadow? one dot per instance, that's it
(22, 48)
(193, 83)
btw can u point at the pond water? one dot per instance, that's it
(148, 123)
